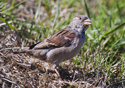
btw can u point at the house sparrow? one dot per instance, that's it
(63, 45)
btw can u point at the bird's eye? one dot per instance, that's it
(80, 18)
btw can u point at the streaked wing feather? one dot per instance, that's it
(32, 46)
(59, 39)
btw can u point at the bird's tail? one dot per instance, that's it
(24, 50)
(18, 52)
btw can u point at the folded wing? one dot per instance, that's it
(62, 38)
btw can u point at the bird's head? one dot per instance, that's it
(80, 23)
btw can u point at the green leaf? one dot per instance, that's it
(87, 9)
(111, 31)
(121, 43)
(6, 10)
(7, 23)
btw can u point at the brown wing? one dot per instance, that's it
(59, 39)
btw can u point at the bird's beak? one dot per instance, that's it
(87, 22)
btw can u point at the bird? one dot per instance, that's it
(61, 46)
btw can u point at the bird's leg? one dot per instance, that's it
(55, 64)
